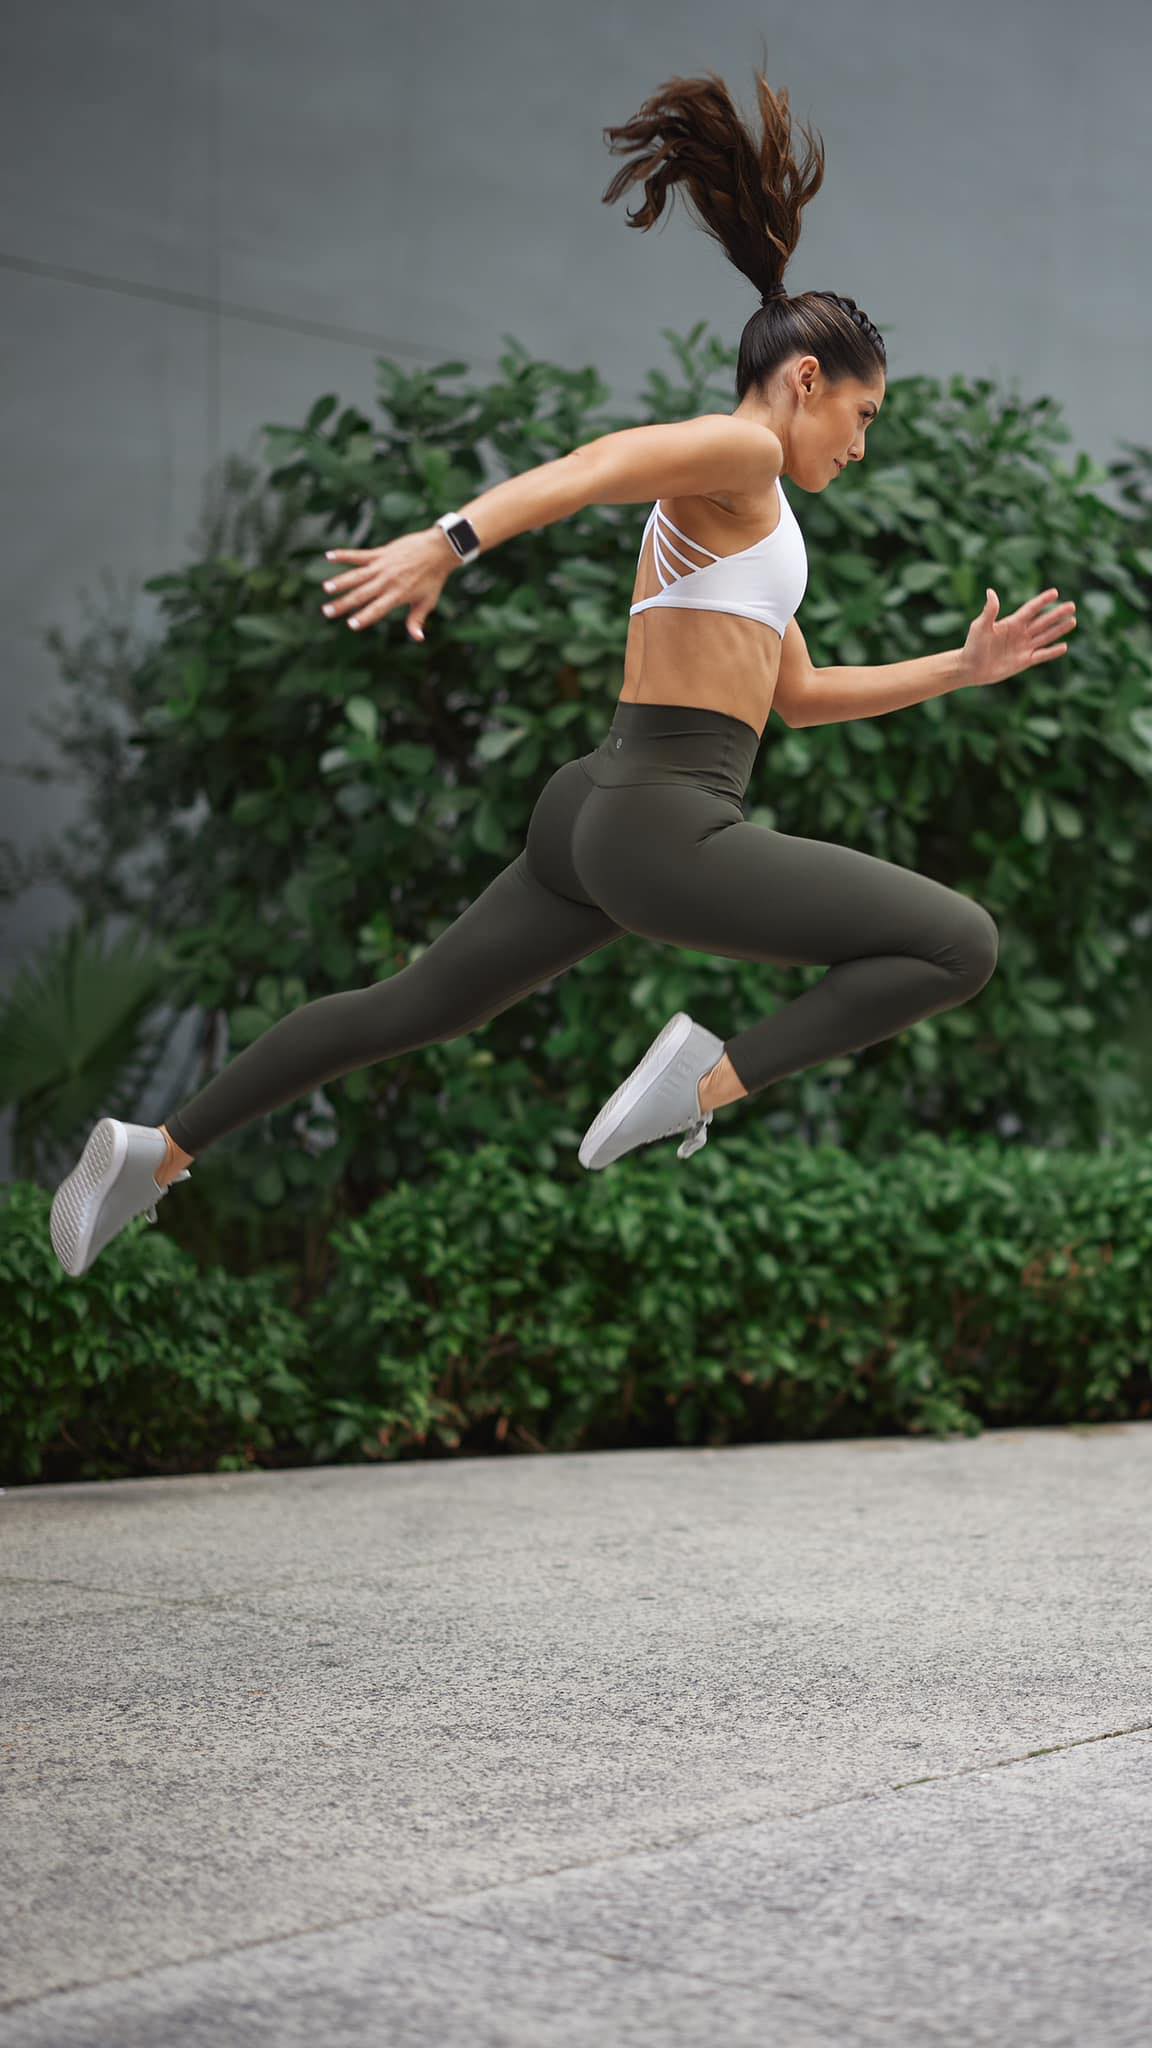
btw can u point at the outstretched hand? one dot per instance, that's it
(997, 648)
(412, 570)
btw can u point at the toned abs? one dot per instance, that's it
(714, 660)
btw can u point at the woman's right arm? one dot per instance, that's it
(683, 458)
(678, 460)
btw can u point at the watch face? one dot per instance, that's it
(462, 535)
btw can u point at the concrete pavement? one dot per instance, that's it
(786, 1744)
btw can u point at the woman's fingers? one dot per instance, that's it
(369, 604)
(1048, 630)
(366, 572)
(1043, 625)
(374, 608)
(1036, 604)
(372, 601)
(1056, 623)
(373, 605)
(354, 600)
(349, 581)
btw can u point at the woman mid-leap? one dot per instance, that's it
(646, 833)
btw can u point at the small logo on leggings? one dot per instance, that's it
(619, 743)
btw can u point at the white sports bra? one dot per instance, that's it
(765, 581)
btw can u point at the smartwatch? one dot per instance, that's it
(462, 535)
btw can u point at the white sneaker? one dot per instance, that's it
(660, 1097)
(112, 1181)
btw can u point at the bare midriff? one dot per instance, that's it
(716, 661)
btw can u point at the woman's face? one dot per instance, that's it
(821, 426)
(828, 424)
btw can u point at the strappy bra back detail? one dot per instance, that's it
(764, 582)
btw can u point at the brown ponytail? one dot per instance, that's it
(749, 197)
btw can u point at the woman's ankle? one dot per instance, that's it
(175, 1158)
(720, 1085)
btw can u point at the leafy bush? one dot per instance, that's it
(305, 808)
(782, 1291)
(144, 1364)
(774, 1291)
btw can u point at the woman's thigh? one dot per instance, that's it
(679, 864)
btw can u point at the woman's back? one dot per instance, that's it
(715, 659)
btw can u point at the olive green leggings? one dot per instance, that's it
(646, 834)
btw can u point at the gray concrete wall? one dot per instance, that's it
(212, 214)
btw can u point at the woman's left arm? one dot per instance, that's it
(994, 650)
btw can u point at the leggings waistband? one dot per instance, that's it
(675, 743)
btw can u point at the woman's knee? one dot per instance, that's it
(981, 946)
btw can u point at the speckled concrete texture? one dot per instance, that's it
(798, 1744)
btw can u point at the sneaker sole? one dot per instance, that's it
(76, 1203)
(660, 1055)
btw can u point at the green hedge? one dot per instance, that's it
(772, 1291)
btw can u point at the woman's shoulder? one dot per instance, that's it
(735, 519)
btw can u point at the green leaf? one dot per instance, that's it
(322, 410)
(488, 830)
(853, 568)
(492, 746)
(921, 575)
(1034, 819)
(284, 632)
(1066, 818)
(281, 443)
(399, 508)
(362, 713)
(248, 1022)
(411, 757)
